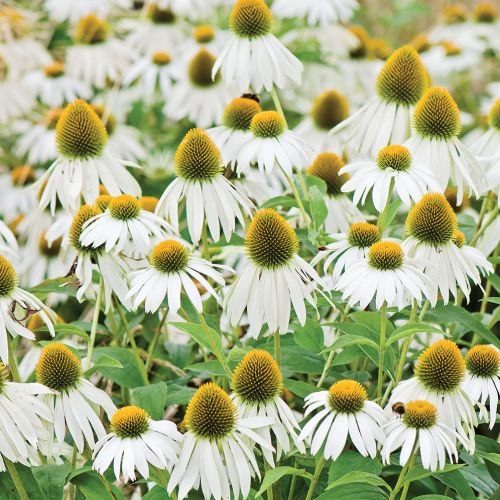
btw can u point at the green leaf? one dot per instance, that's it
(179, 395)
(57, 285)
(102, 360)
(418, 472)
(280, 201)
(301, 389)
(484, 444)
(359, 477)
(157, 493)
(431, 497)
(274, 475)
(51, 478)
(347, 340)
(310, 336)
(354, 491)
(129, 375)
(153, 398)
(213, 367)
(393, 210)
(411, 328)
(491, 457)
(317, 206)
(456, 481)
(350, 461)
(91, 486)
(31, 486)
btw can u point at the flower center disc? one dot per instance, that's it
(420, 414)
(441, 366)
(200, 69)
(211, 414)
(494, 115)
(49, 251)
(239, 113)
(394, 157)
(58, 367)
(271, 242)
(124, 207)
(257, 379)
(161, 58)
(54, 70)
(91, 30)
(483, 361)
(326, 166)
(250, 18)
(267, 124)
(84, 213)
(329, 109)
(169, 257)
(204, 34)
(130, 422)
(385, 256)
(8, 278)
(347, 396)
(363, 235)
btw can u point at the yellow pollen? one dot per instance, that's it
(102, 202)
(250, 19)
(458, 238)
(363, 234)
(394, 157)
(483, 361)
(130, 422)
(239, 112)
(8, 278)
(347, 396)
(420, 414)
(124, 207)
(169, 257)
(267, 124)
(58, 367)
(385, 256)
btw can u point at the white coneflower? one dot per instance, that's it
(473, 257)
(394, 166)
(196, 96)
(16, 98)
(489, 142)
(203, 36)
(387, 275)
(38, 140)
(54, 87)
(257, 383)
(16, 199)
(435, 144)
(217, 452)
(447, 58)
(74, 10)
(15, 302)
(209, 196)
(345, 412)
(75, 401)
(273, 145)
(439, 373)
(341, 210)
(83, 162)
(154, 74)
(420, 430)
(172, 269)
(112, 268)
(254, 58)
(123, 223)
(275, 279)
(235, 128)
(96, 56)
(328, 110)
(135, 441)
(24, 418)
(482, 378)
(347, 248)
(431, 226)
(323, 12)
(386, 118)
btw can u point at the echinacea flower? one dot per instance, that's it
(198, 97)
(235, 128)
(344, 412)
(24, 418)
(75, 401)
(386, 119)
(135, 441)
(386, 275)
(393, 165)
(16, 199)
(431, 225)
(488, 144)
(482, 378)
(341, 210)
(435, 144)
(83, 162)
(439, 373)
(13, 300)
(328, 110)
(257, 383)
(210, 198)
(253, 57)
(217, 451)
(420, 430)
(275, 279)
(273, 145)
(171, 269)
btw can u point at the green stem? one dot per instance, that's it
(277, 103)
(425, 307)
(383, 215)
(326, 368)
(383, 324)
(154, 342)
(131, 339)
(315, 479)
(293, 482)
(269, 490)
(205, 249)
(483, 228)
(296, 195)
(95, 322)
(12, 360)
(277, 350)
(16, 479)
(401, 479)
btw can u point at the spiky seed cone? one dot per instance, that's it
(91, 30)
(363, 234)
(458, 238)
(441, 367)
(326, 166)
(402, 80)
(4, 376)
(211, 414)
(250, 19)
(270, 242)
(485, 12)
(58, 367)
(420, 414)
(169, 257)
(80, 132)
(36, 323)
(257, 379)
(385, 256)
(200, 69)
(494, 115)
(84, 213)
(8, 278)
(204, 33)
(108, 119)
(347, 396)
(197, 157)
(160, 16)
(102, 202)
(130, 422)
(394, 157)
(432, 221)
(267, 124)
(437, 115)
(49, 251)
(483, 361)
(124, 207)
(239, 113)
(329, 109)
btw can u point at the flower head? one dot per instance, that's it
(8, 278)
(130, 422)
(250, 18)
(267, 124)
(239, 113)
(58, 367)
(483, 361)
(91, 30)
(494, 115)
(326, 166)
(200, 68)
(394, 157)
(329, 109)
